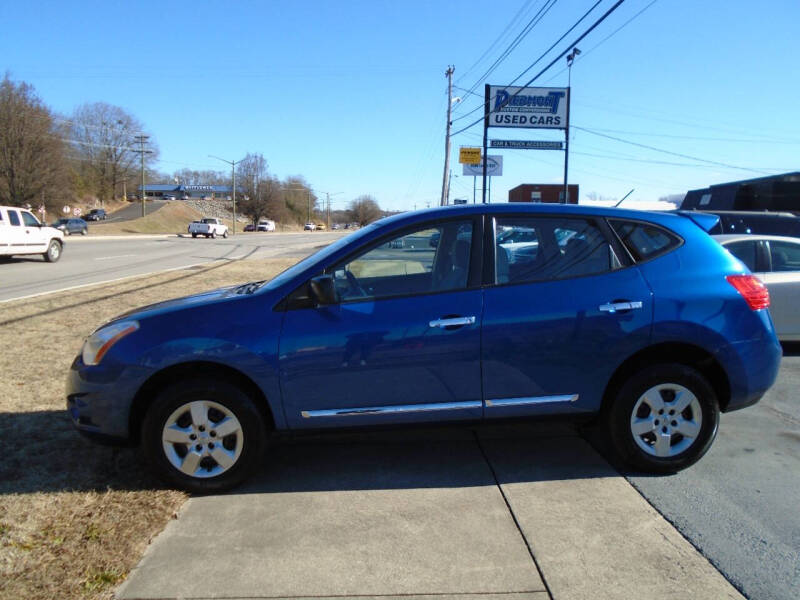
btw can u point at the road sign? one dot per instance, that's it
(494, 167)
(76, 211)
(527, 145)
(469, 156)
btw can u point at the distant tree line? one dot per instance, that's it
(94, 155)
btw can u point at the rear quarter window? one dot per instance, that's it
(644, 240)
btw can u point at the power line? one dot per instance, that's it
(535, 20)
(609, 36)
(678, 154)
(514, 20)
(566, 33)
(559, 57)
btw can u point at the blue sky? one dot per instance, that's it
(352, 94)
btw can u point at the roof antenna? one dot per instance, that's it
(623, 198)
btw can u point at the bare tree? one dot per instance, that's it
(32, 166)
(298, 198)
(102, 141)
(262, 192)
(364, 210)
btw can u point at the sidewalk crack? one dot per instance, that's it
(511, 512)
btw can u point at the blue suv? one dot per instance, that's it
(639, 321)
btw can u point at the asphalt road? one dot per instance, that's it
(86, 260)
(134, 211)
(740, 505)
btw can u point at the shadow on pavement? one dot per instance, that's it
(45, 454)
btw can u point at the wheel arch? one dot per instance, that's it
(146, 394)
(689, 355)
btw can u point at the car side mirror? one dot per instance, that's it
(323, 289)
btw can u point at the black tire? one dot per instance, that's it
(53, 251)
(214, 234)
(661, 382)
(222, 393)
(225, 235)
(84, 231)
(194, 235)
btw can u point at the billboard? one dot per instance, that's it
(531, 108)
(494, 167)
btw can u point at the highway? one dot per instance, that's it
(88, 260)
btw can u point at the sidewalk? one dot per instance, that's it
(512, 513)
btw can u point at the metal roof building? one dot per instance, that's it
(160, 190)
(776, 192)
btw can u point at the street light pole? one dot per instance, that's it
(233, 164)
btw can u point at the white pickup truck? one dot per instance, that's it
(208, 227)
(22, 233)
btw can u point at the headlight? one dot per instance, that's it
(101, 340)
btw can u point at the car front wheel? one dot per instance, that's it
(53, 251)
(664, 418)
(203, 435)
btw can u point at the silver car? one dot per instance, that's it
(776, 261)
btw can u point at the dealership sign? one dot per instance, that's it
(494, 167)
(532, 108)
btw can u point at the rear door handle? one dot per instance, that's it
(452, 322)
(612, 307)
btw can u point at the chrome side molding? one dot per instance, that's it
(499, 402)
(388, 410)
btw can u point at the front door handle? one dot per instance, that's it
(612, 307)
(452, 322)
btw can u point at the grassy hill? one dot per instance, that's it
(172, 218)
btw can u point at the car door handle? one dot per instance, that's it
(452, 322)
(612, 307)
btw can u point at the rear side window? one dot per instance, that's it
(643, 240)
(545, 248)
(785, 256)
(13, 217)
(745, 252)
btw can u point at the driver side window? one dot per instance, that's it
(435, 258)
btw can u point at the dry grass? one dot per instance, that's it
(75, 517)
(174, 217)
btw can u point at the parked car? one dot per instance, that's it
(249, 227)
(96, 214)
(170, 197)
(70, 226)
(765, 223)
(209, 227)
(640, 321)
(266, 225)
(309, 227)
(776, 262)
(21, 233)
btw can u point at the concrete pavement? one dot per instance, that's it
(528, 511)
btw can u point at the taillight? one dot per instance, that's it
(751, 289)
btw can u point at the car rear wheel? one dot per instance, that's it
(213, 234)
(53, 251)
(84, 231)
(664, 418)
(203, 435)
(194, 235)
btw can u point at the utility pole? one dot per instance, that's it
(445, 182)
(570, 59)
(233, 164)
(141, 140)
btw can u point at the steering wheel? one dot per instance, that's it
(355, 287)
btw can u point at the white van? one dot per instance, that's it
(22, 233)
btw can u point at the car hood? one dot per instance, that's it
(177, 304)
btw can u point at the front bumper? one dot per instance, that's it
(99, 399)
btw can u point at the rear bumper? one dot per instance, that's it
(752, 368)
